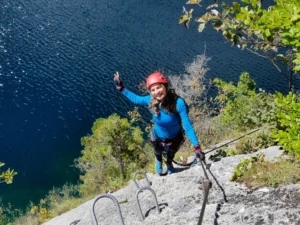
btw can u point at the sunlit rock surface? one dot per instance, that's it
(180, 200)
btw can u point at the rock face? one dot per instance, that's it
(180, 201)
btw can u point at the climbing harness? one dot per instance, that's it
(166, 144)
(117, 206)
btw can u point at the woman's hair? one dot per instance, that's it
(168, 103)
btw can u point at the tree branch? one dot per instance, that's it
(271, 60)
(258, 54)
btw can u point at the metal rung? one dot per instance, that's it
(145, 175)
(138, 203)
(117, 206)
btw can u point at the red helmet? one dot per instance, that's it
(156, 78)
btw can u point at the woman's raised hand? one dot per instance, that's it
(116, 76)
(118, 82)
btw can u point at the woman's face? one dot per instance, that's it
(158, 91)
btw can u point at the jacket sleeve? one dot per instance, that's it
(136, 99)
(185, 120)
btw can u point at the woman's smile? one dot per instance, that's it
(158, 91)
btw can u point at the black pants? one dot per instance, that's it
(175, 144)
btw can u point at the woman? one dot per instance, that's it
(170, 114)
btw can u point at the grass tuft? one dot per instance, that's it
(271, 174)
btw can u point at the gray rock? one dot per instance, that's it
(180, 201)
(272, 153)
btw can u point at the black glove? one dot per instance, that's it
(199, 153)
(119, 85)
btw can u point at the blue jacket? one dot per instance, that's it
(167, 125)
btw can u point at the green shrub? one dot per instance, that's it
(7, 214)
(243, 108)
(7, 176)
(56, 202)
(287, 133)
(245, 165)
(111, 154)
(254, 142)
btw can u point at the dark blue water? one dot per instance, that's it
(57, 59)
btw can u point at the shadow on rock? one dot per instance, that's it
(160, 208)
(180, 169)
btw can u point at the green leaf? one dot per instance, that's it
(191, 2)
(297, 61)
(246, 1)
(186, 17)
(218, 24)
(227, 34)
(8, 175)
(240, 16)
(267, 32)
(212, 6)
(279, 57)
(183, 18)
(297, 68)
(236, 6)
(225, 12)
(200, 20)
(248, 20)
(259, 3)
(235, 39)
(201, 27)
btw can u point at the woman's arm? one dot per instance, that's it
(188, 127)
(135, 99)
(185, 120)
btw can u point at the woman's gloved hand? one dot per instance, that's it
(118, 82)
(199, 153)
